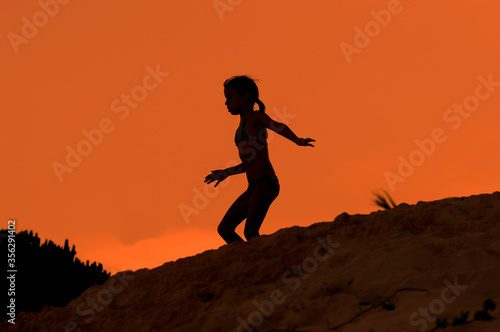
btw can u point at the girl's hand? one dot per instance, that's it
(218, 175)
(305, 141)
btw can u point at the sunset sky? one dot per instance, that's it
(112, 114)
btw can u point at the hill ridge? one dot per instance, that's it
(390, 270)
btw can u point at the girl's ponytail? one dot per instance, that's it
(262, 107)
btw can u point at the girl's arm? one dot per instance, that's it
(221, 174)
(283, 130)
(235, 169)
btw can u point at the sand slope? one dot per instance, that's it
(392, 270)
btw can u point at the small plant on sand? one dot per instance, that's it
(488, 305)
(385, 202)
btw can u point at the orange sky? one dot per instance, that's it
(364, 98)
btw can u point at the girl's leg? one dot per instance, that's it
(233, 217)
(264, 194)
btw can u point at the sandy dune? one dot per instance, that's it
(394, 270)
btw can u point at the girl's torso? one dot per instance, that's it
(251, 141)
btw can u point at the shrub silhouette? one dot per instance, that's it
(488, 305)
(47, 274)
(384, 202)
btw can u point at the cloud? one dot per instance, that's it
(135, 228)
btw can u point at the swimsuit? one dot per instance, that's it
(268, 177)
(241, 134)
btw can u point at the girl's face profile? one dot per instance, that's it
(234, 101)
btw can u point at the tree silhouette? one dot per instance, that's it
(47, 274)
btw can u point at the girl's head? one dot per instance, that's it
(244, 85)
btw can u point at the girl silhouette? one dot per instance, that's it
(241, 94)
